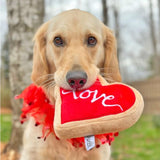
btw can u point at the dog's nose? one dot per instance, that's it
(76, 79)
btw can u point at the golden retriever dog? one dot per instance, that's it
(70, 51)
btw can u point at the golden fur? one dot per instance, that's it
(50, 66)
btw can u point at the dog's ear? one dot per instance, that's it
(111, 66)
(40, 65)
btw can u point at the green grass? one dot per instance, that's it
(5, 128)
(140, 142)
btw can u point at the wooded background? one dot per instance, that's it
(136, 25)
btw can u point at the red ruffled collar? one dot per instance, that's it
(37, 105)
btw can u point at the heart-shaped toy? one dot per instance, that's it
(102, 108)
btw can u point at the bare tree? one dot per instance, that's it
(24, 17)
(154, 41)
(105, 11)
(117, 25)
(159, 17)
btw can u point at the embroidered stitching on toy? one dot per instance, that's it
(95, 97)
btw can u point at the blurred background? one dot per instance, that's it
(136, 25)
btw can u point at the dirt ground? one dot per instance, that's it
(12, 155)
(4, 110)
(2, 145)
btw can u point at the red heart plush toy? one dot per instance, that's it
(102, 108)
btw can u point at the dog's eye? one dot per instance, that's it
(58, 42)
(92, 41)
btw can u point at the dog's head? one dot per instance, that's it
(72, 49)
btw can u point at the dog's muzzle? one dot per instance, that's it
(76, 79)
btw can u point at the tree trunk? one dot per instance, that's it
(156, 66)
(117, 27)
(105, 12)
(159, 17)
(24, 17)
